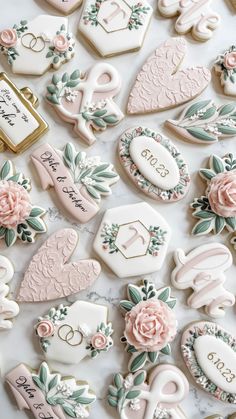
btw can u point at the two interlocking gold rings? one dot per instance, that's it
(69, 335)
(32, 42)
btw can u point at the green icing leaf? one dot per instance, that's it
(110, 119)
(5, 170)
(10, 237)
(53, 99)
(43, 374)
(133, 394)
(209, 113)
(140, 378)
(226, 109)
(77, 393)
(205, 214)
(68, 153)
(99, 122)
(55, 79)
(164, 294)
(72, 83)
(100, 112)
(38, 383)
(51, 89)
(112, 391)
(200, 133)
(56, 60)
(217, 164)
(134, 294)
(35, 224)
(101, 188)
(75, 75)
(153, 356)
(219, 224)
(166, 350)
(92, 192)
(49, 54)
(112, 402)
(226, 130)
(193, 109)
(118, 380)
(53, 382)
(69, 411)
(126, 305)
(65, 78)
(202, 227)
(138, 361)
(107, 175)
(85, 400)
(36, 211)
(100, 168)
(207, 174)
(231, 222)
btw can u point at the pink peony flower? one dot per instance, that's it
(14, 204)
(150, 325)
(99, 341)
(61, 43)
(8, 38)
(45, 329)
(230, 60)
(222, 194)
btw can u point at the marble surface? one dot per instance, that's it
(20, 344)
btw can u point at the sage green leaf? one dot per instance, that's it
(110, 119)
(126, 305)
(131, 349)
(118, 380)
(75, 75)
(197, 106)
(219, 224)
(78, 393)
(226, 109)
(2, 231)
(69, 153)
(112, 391)
(53, 382)
(63, 28)
(200, 133)
(112, 402)
(38, 383)
(140, 378)
(166, 350)
(217, 164)
(107, 175)
(138, 361)
(100, 168)
(72, 83)
(35, 224)
(209, 113)
(226, 130)
(85, 400)
(171, 303)
(65, 77)
(56, 60)
(205, 214)
(36, 211)
(43, 374)
(10, 236)
(101, 188)
(49, 54)
(164, 295)
(68, 410)
(78, 158)
(100, 112)
(99, 122)
(6, 169)
(134, 294)
(231, 222)
(201, 227)
(92, 192)
(53, 99)
(55, 79)
(51, 89)
(207, 174)
(153, 356)
(132, 394)
(15, 178)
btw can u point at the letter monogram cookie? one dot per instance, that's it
(205, 123)
(209, 352)
(132, 240)
(49, 395)
(115, 26)
(158, 397)
(217, 209)
(36, 46)
(154, 164)
(20, 124)
(65, 6)
(161, 85)
(8, 308)
(79, 181)
(69, 334)
(50, 276)
(225, 66)
(196, 16)
(86, 100)
(203, 269)
(151, 310)
(18, 217)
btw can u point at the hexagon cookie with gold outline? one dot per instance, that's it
(132, 240)
(115, 26)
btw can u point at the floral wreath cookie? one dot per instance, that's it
(225, 66)
(36, 46)
(135, 396)
(150, 323)
(70, 333)
(216, 210)
(18, 217)
(48, 394)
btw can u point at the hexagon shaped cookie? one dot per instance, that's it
(132, 240)
(115, 26)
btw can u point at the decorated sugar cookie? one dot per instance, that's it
(161, 85)
(50, 276)
(70, 333)
(20, 124)
(203, 269)
(196, 16)
(114, 27)
(8, 308)
(225, 66)
(217, 209)
(150, 323)
(36, 46)
(49, 395)
(158, 397)
(154, 164)
(86, 100)
(209, 352)
(132, 240)
(79, 181)
(233, 416)
(205, 123)
(18, 217)
(65, 6)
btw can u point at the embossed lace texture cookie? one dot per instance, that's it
(49, 276)
(160, 85)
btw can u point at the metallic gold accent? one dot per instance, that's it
(69, 335)
(126, 224)
(33, 42)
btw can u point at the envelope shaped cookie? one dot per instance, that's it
(68, 334)
(65, 6)
(36, 46)
(8, 308)
(115, 26)
(132, 240)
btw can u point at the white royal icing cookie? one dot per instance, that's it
(132, 240)
(209, 352)
(205, 123)
(70, 333)
(86, 100)
(79, 181)
(149, 309)
(49, 395)
(115, 26)
(203, 269)
(233, 416)
(196, 16)
(65, 6)
(225, 66)
(34, 47)
(136, 397)
(160, 76)
(8, 308)
(154, 164)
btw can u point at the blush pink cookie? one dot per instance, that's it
(159, 77)
(65, 6)
(49, 276)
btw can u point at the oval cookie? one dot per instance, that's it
(154, 164)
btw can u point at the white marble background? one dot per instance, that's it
(20, 344)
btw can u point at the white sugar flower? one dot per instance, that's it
(135, 404)
(88, 181)
(93, 161)
(70, 94)
(161, 414)
(128, 382)
(81, 412)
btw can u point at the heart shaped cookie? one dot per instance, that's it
(160, 85)
(65, 6)
(49, 276)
